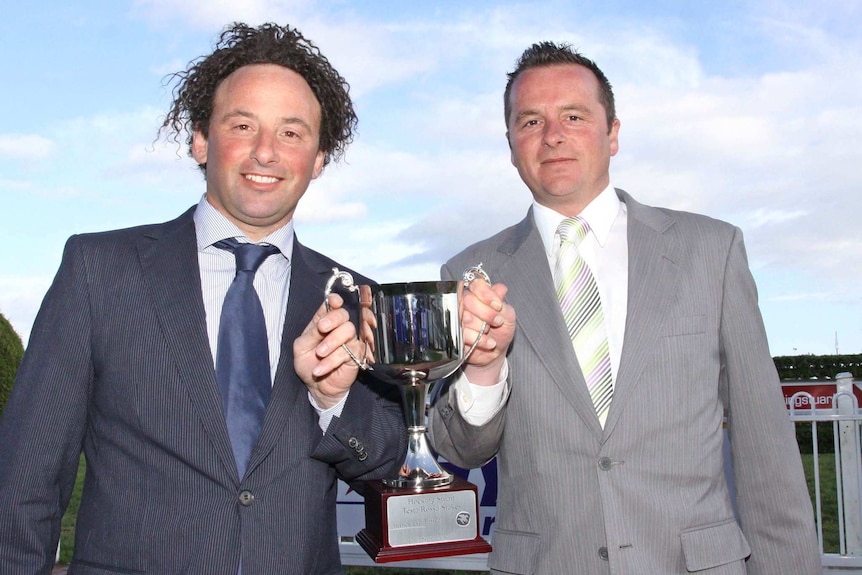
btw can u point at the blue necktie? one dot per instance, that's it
(242, 357)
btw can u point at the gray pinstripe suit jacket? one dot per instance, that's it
(646, 494)
(119, 364)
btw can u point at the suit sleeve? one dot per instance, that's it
(466, 445)
(42, 426)
(369, 439)
(772, 498)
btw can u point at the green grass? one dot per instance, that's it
(828, 497)
(67, 526)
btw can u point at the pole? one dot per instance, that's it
(851, 473)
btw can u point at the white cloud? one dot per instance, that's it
(213, 14)
(20, 298)
(775, 154)
(809, 297)
(165, 69)
(26, 147)
(317, 209)
(159, 165)
(16, 186)
(765, 217)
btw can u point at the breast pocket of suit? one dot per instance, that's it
(685, 343)
(515, 551)
(678, 326)
(715, 548)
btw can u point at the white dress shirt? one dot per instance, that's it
(271, 282)
(605, 251)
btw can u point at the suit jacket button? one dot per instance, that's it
(246, 497)
(352, 442)
(603, 553)
(605, 463)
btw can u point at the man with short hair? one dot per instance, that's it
(637, 333)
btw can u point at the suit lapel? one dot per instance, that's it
(531, 293)
(652, 270)
(169, 262)
(289, 402)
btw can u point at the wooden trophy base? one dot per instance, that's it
(404, 524)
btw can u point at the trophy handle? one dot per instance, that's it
(348, 283)
(469, 277)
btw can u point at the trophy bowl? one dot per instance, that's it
(415, 340)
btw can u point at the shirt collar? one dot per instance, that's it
(599, 214)
(211, 226)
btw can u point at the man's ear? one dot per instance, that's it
(318, 164)
(614, 136)
(199, 146)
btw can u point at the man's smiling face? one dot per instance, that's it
(262, 147)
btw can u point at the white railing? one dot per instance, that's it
(846, 482)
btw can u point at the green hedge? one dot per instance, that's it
(11, 351)
(806, 367)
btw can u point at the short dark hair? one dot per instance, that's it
(241, 45)
(550, 54)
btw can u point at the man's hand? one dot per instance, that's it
(486, 303)
(319, 358)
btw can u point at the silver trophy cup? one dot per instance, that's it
(414, 341)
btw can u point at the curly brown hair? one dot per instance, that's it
(241, 45)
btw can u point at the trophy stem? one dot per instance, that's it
(420, 469)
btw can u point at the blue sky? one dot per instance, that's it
(748, 111)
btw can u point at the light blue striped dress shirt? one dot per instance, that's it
(272, 283)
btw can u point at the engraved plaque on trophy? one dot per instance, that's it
(414, 341)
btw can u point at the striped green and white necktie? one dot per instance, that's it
(582, 310)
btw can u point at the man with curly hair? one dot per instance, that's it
(128, 359)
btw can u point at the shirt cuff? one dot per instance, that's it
(324, 416)
(479, 403)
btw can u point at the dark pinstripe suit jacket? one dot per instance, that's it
(119, 364)
(646, 494)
